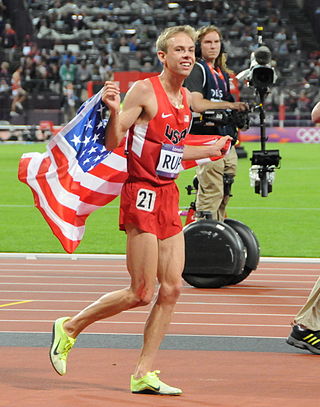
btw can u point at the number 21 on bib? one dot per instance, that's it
(145, 200)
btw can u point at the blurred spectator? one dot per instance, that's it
(281, 35)
(67, 73)
(18, 93)
(147, 67)
(95, 73)
(69, 102)
(5, 77)
(68, 56)
(2, 7)
(108, 58)
(29, 74)
(105, 72)
(41, 70)
(28, 47)
(53, 76)
(5, 91)
(9, 41)
(133, 43)
(2, 21)
(303, 102)
(54, 57)
(45, 31)
(84, 74)
(122, 45)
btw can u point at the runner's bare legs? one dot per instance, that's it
(147, 259)
(170, 266)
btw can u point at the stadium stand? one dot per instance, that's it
(62, 45)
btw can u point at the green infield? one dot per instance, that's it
(285, 222)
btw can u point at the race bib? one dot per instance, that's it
(169, 161)
(145, 199)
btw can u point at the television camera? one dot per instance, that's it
(261, 75)
(232, 120)
(223, 117)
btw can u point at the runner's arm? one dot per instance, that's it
(121, 120)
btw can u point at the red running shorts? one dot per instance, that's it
(152, 209)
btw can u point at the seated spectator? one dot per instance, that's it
(5, 76)
(9, 41)
(67, 73)
(53, 76)
(41, 69)
(122, 45)
(5, 90)
(45, 31)
(147, 67)
(29, 73)
(84, 72)
(133, 43)
(304, 102)
(68, 57)
(69, 102)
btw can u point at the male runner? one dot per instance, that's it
(156, 113)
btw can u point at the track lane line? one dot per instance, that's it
(15, 303)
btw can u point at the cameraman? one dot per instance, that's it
(210, 88)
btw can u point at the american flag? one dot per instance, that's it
(77, 175)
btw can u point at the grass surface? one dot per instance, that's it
(286, 222)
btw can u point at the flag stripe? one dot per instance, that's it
(70, 236)
(23, 168)
(68, 244)
(67, 198)
(110, 174)
(201, 140)
(89, 195)
(65, 213)
(67, 228)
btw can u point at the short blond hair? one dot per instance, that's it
(162, 41)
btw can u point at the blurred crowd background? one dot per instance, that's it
(51, 49)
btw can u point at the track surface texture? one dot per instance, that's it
(225, 347)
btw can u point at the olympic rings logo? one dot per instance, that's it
(309, 135)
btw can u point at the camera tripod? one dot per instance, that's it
(264, 162)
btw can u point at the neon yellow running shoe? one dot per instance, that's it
(151, 384)
(60, 346)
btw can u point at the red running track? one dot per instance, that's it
(34, 292)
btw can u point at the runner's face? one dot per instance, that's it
(179, 57)
(210, 46)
